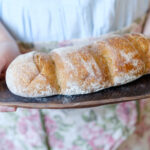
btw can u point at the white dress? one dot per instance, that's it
(50, 20)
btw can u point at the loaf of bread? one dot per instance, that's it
(111, 61)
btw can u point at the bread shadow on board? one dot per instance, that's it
(138, 88)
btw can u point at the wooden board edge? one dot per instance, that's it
(85, 104)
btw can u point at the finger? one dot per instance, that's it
(146, 30)
(7, 109)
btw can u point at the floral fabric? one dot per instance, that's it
(83, 129)
(98, 128)
(140, 139)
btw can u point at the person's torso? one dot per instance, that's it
(49, 20)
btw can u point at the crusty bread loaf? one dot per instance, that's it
(109, 62)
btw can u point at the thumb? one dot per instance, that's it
(146, 29)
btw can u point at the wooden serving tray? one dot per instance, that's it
(136, 90)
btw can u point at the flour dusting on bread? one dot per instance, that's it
(106, 62)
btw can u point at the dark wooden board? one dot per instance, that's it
(139, 89)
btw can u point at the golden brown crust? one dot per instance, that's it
(123, 58)
(27, 76)
(78, 70)
(46, 68)
(142, 45)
